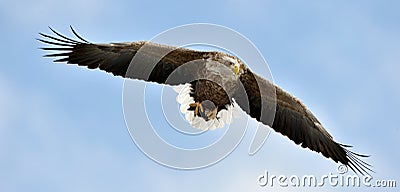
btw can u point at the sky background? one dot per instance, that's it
(62, 127)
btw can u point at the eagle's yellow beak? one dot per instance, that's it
(236, 69)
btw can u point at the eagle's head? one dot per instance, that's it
(234, 63)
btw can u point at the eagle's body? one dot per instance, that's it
(215, 83)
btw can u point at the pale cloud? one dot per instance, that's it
(40, 145)
(8, 112)
(25, 14)
(43, 145)
(7, 100)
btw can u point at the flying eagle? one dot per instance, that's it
(209, 90)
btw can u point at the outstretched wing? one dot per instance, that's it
(295, 121)
(153, 62)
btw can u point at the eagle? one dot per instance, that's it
(211, 86)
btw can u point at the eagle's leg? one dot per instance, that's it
(205, 109)
(196, 107)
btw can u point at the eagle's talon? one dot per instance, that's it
(200, 111)
(196, 108)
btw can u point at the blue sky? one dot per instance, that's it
(62, 127)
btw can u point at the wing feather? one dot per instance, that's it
(293, 120)
(115, 58)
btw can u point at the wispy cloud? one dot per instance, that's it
(21, 13)
(340, 58)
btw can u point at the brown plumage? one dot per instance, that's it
(258, 97)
